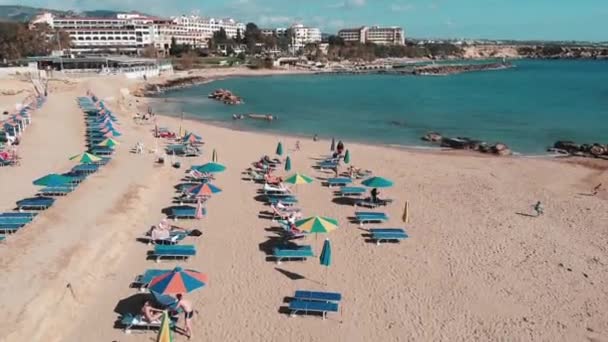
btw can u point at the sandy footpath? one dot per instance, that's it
(475, 267)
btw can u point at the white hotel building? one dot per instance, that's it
(130, 33)
(378, 35)
(302, 35)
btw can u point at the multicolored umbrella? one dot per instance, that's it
(53, 179)
(165, 334)
(178, 281)
(298, 179)
(288, 164)
(191, 139)
(279, 150)
(199, 210)
(109, 142)
(205, 189)
(210, 168)
(86, 158)
(317, 224)
(377, 182)
(347, 157)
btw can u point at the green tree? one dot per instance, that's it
(253, 36)
(239, 38)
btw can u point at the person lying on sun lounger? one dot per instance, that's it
(274, 180)
(151, 314)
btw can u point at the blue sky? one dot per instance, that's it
(516, 19)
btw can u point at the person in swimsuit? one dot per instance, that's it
(186, 306)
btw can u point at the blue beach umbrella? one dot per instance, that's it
(377, 182)
(210, 168)
(325, 258)
(279, 151)
(288, 164)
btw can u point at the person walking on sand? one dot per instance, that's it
(538, 207)
(186, 306)
(597, 189)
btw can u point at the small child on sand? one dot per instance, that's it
(538, 207)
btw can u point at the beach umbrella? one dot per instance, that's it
(109, 142)
(178, 281)
(406, 212)
(279, 151)
(210, 168)
(347, 157)
(288, 164)
(86, 158)
(165, 334)
(214, 156)
(205, 189)
(298, 179)
(53, 179)
(325, 258)
(333, 145)
(377, 182)
(317, 224)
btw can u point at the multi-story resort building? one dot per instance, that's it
(375, 34)
(301, 35)
(130, 33)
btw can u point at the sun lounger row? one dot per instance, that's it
(339, 181)
(363, 217)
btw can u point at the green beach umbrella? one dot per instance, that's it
(86, 158)
(288, 164)
(317, 224)
(298, 179)
(109, 142)
(333, 145)
(210, 168)
(53, 179)
(279, 151)
(214, 156)
(347, 157)
(377, 182)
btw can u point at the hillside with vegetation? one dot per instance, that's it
(16, 13)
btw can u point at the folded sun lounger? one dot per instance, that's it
(306, 307)
(340, 181)
(388, 234)
(287, 253)
(173, 252)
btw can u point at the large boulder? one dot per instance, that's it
(501, 149)
(432, 137)
(567, 145)
(597, 150)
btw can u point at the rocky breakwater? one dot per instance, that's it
(225, 96)
(449, 69)
(595, 150)
(463, 143)
(151, 89)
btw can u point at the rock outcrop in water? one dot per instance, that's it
(449, 69)
(152, 89)
(595, 150)
(464, 143)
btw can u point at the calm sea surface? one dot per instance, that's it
(528, 107)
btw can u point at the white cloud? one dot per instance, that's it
(397, 7)
(275, 20)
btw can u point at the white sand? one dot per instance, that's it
(472, 269)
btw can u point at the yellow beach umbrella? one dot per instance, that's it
(109, 142)
(86, 158)
(164, 334)
(317, 224)
(406, 212)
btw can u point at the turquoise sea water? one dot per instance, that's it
(528, 107)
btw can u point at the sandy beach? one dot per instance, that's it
(476, 266)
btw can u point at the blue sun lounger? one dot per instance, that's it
(317, 296)
(56, 191)
(388, 234)
(296, 306)
(185, 212)
(102, 151)
(18, 219)
(11, 227)
(340, 181)
(351, 191)
(86, 168)
(327, 165)
(143, 280)
(287, 200)
(182, 252)
(370, 217)
(367, 202)
(36, 203)
(288, 253)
